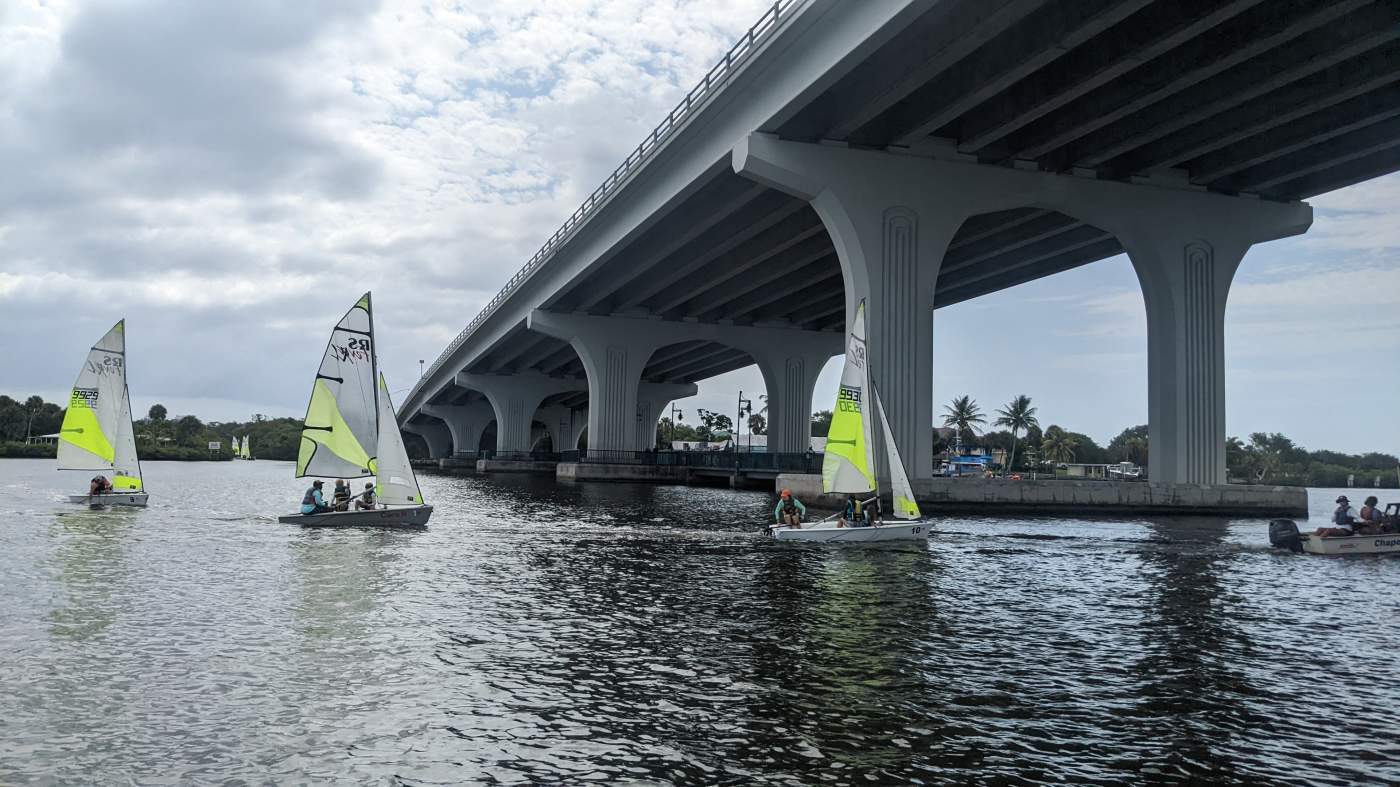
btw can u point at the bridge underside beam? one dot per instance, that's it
(1128, 87)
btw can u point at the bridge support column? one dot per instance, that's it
(563, 425)
(436, 435)
(890, 224)
(615, 351)
(515, 398)
(652, 401)
(790, 376)
(465, 422)
(892, 217)
(1185, 279)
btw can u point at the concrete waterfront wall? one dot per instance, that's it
(515, 466)
(600, 471)
(944, 495)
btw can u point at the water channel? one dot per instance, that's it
(539, 632)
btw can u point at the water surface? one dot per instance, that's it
(538, 632)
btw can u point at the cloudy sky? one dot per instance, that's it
(231, 176)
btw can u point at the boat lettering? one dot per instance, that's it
(83, 398)
(848, 399)
(917, 530)
(352, 352)
(1388, 542)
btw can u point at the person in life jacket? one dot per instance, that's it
(1369, 522)
(313, 502)
(1342, 520)
(854, 515)
(341, 499)
(789, 510)
(366, 501)
(99, 486)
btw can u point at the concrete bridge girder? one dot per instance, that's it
(514, 399)
(616, 350)
(892, 217)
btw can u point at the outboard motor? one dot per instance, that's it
(1283, 534)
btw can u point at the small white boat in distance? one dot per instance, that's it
(350, 414)
(848, 466)
(97, 433)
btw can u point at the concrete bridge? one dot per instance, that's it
(916, 154)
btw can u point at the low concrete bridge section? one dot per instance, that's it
(916, 154)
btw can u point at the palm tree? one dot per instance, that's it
(1058, 446)
(1018, 416)
(964, 414)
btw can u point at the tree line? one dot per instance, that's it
(158, 435)
(1266, 458)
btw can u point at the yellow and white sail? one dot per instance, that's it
(900, 490)
(395, 483)
(340, 428)
(97, 433)
(849, 465)
(244, 452)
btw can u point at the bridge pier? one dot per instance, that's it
(465, 422)
(790, 375)
(564, 424)
(515, 398)
(892, 216)
(436, 435)
(615, 351)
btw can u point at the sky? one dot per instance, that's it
(230, 177)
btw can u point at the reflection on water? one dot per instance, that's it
(540, 632)
(87, 563)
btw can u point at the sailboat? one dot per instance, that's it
(848, 466)
(349, 416)
(97, 433)
(243, 451)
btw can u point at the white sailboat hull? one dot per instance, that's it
(409, 516)
(830, 534)
(1387, 543)
(138, 499)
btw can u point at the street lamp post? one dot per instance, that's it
(677, 415)
(420, 368)
(739, 421)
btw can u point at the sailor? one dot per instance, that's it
(1342, 520)
(854, 515)
(366, 502)
(341, 499)
(99, 486)
(313, 502)
(1370, 519)
(789, 510)
(874, 514)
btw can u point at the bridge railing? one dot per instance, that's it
(713, 81)
(742, 461)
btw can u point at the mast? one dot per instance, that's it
(870, 395)
(130, 422)
(374, 370)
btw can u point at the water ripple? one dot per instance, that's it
(546, 633)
